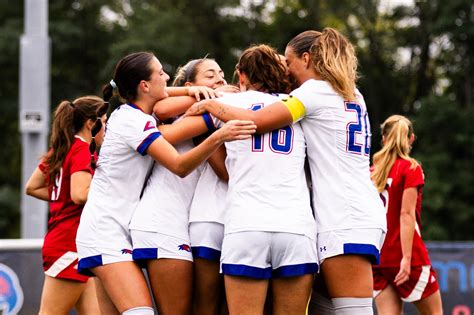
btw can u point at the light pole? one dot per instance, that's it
(34, 109)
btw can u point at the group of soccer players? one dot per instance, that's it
(168, 197)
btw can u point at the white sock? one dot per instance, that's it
(353, 306)
(320, 305)
(142, 310)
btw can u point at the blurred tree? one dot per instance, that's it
(11, 24)
(413, 60)
(445, 147)
(80, 45)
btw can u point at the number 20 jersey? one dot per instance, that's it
(338, 134)
(267, 184)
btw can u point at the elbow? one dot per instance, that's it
(162, 115)
(79, 199)
(406, 217)
(181, 171)
(225, 177)
(29, 191)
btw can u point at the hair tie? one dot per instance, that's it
(112, 83)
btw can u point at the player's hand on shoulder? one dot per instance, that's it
(202, 91)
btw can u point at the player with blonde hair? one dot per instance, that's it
(349, 214)
(405, 273)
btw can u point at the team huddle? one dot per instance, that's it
(204, 186)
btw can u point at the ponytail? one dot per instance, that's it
(335, 60)
(69, 119)
(93, 146)
(62, 137)
(108, 91)
(396, 131)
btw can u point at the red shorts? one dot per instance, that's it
(421, 284)
(61, 264)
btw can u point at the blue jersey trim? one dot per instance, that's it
(206, 253)
(85, 264)
(146, 143)
(363, 249)
(134, 106)
(208, 120)
(295, 270)
(145, 253)
(247, 271)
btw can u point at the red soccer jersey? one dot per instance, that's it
(401, 177)
(64, 214)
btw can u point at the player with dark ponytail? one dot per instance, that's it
(131, 144)
(63, 178)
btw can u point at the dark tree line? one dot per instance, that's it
(414, 60)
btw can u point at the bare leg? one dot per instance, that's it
(348, 276)
(208, 287)
(245, 296)
(88, 302)
(125, 284)
(320, 303)
(388, 302)
(171, 282)
(291, 295)
(430, 305)
(106, 305)
(59, 295)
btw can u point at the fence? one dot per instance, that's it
(21, 276)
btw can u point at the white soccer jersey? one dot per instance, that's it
(338, 139)
(208, 203)
(164, 207)
(267, 186)
(118, 179)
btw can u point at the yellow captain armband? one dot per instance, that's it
(295, 107)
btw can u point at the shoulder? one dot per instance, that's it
(125, 118)
(79, 146)
(409, 170)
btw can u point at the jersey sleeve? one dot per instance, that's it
(413, 176)
(211, 122)
(215, 121)
(42, 167)
(301, 102)
(140, 132)
(80, 159)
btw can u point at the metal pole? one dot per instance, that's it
(34, 109)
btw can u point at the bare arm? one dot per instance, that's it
(80, 184)
(184, 129)
(407, 231)
(164, 153)
(195, 91)
(180, 98)
(191, 127)
(171, 107)
(217, 162)
(36, 186)
(269, 118)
